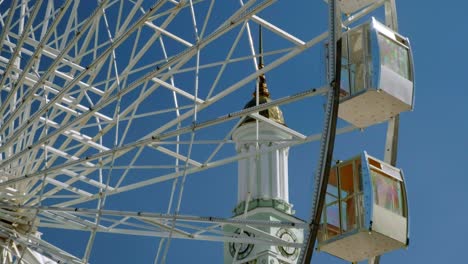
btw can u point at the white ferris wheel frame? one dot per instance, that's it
(31, 163)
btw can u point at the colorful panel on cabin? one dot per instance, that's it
(394, 56)
(387, 192)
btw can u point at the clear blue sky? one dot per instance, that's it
(432, 148)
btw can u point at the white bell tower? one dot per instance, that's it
(263, 185)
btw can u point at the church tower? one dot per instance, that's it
(263, 184)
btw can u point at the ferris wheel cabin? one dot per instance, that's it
(377, 77)
(365, 212)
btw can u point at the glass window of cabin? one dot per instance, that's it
(356, 61)
(333, 220)
(345, 68)
(342, 208)
(394, 56)
(359, 195)
(357, 67)
(387, 192)
(348, 194)
(331, 213)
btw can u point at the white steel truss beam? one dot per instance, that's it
(214, 164)
(73, 215)
(109, 100)
(155, 139)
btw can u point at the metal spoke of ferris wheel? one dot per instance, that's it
(102, 99)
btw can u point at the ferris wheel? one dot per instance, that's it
(114, 111)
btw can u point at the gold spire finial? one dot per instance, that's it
(272, 113)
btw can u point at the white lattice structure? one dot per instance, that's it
(101, 99)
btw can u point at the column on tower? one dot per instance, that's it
(263, 177)
(263, 186)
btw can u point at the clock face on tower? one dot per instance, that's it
(241, 249)
(288, 236)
